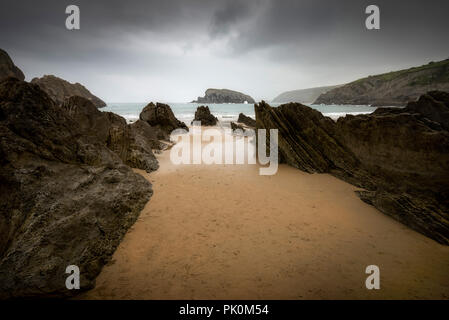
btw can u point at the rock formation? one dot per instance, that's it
(203, 114)
(243, 123)
(132, 143)
(391, 89)
(65, 197)
(161, 118)
(235, 126)
(399, 156)
(59, 90)
(250, 122)
(7, 67)
(224, 96)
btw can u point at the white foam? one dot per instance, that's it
(336, 115)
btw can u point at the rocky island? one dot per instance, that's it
(224, 96)
(391, 89)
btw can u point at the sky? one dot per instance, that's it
(173, 50)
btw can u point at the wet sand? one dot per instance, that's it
(225, 232)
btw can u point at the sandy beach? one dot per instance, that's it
(226, 232)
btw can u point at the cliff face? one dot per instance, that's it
(7, 67)
(59, 90)
(66, 195)
(399, 156)
(224, 96)
(302, 95)
(391, 89)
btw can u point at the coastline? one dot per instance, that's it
(224, 232)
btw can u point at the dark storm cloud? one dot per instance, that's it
(230, 14)
(125, 48)
(298, 23)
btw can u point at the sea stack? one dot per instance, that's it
(224, 96)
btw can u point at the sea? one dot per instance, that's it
(228, 112)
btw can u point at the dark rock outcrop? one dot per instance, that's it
(59, 90)
(203, 114)
(250, 122)
(307, 140)
(65, 197)
(160, 117)
(391, 89)
(132, 143)
(8, 68)
(224, 96)
(399, 156)
(235, 126)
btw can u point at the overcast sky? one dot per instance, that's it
(172, 51)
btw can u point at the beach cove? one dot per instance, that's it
(226, 232)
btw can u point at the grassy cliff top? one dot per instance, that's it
(441, 71)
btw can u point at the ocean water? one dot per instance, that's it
(227, 112)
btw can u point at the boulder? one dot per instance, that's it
(203, 114)
(250, 122)
(160, 117)
(399, 156)
(65, 197)
(8, 68)
(59, 90)
(235, 126)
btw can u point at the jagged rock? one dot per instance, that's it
(235, 126)
(59, 90)
(250, 122)
(149, 134)
(399, 156)
(306, 139)
(224, 96)
(8, 68)
(203, 114)
(407, 153)
(132, 143)
(143, 141)
(434, 106)
(160, 117)
(65, 198)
